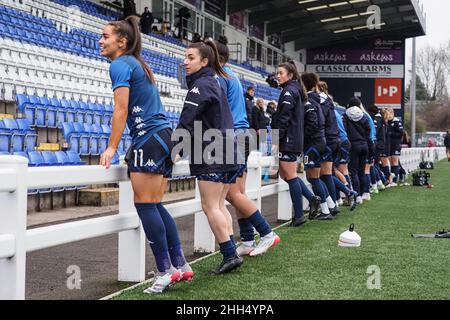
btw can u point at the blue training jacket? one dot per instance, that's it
(207, 103)
(331, 126)
(342, 133)
(235, 96)
(289, 118)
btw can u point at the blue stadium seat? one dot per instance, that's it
(71, 136)
(17, 136)
(30, 135)
(104, 138)
(49, 158)
(74, 158)
(5, 137)
(107, 115)
(63, 159)
(35, 159)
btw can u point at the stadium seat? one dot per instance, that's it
(74, 158)
(71, 136)
(17, 136)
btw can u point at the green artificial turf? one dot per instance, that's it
(308, 263)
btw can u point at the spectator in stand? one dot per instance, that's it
(430, 143)
(249, 103)
(447, 144)
(271, 109)
(146, 21)
(259, 120)
(196, 38)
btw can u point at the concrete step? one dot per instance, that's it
(99, 197)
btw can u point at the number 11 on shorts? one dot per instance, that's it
(136, 156)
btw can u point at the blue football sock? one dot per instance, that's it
(327, 179)
(227, 249)
(305, 191)
(295, 190)
(366, 183)
(349, 181)
(341, 187)
(395, 170)
(233, 240)
(156, 233)
(387, 172)
(173, 240)
(246, 230)
(260, 223)
(318, 189)
(373, 177)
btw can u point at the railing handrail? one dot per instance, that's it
(16, 240)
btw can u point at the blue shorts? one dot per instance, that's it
(343, 156)
(331, 152)
(243, 151)
(395, 150)
(227, 177)
(154, 156)
(312, 158)
(288, 156)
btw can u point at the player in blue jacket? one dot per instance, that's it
(370, 184)
(395, 132)
(289, 120)
(316, 145)
(137, 102)
(247, 213)
(206, 113)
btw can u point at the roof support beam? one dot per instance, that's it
(333, 39)
(291, 23)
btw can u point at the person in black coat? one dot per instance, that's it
(358, 131)
(206, 111)
(259, 120)
(316, 149)
(146, 21)
(249, 103)
(395, 132)
(447, 144)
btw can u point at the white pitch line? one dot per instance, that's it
(115, 294)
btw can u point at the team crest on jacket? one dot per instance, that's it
(195, 90)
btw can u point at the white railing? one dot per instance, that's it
(15, 240)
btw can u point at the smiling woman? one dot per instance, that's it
(137, 102)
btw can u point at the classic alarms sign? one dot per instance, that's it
(388, 93)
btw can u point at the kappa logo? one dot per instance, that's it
(150, 163)
(140, 126)
(195, 90)
(137, 109)
(138, 120)
(141, 133)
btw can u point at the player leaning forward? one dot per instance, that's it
(137, 103)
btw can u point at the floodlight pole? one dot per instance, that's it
(413, 95)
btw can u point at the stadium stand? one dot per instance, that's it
(51, 69)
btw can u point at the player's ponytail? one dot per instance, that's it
(129, 29)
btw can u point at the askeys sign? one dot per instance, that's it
(388, 93)
(357, 70)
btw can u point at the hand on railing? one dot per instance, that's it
(107, 156)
